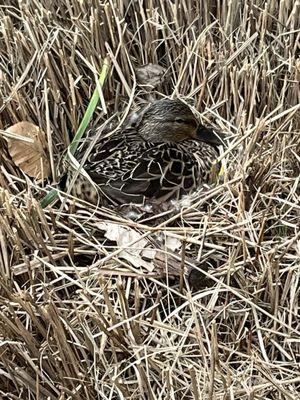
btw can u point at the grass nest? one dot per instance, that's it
(198, 303)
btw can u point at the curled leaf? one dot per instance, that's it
(125, 237)
(26, 150)
(150, 74)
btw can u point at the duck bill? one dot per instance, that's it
(210, 136)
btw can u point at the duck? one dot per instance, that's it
(162, 153)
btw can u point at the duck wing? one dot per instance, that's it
(145, 170)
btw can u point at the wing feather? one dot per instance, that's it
(157, 174)
(130, 170)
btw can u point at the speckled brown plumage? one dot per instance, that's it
(159, 155)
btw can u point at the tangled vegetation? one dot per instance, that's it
(200, 302)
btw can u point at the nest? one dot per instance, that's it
(200, 301)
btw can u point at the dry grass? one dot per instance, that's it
(77, 319)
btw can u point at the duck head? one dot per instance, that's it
(171, 121)
(166, 121)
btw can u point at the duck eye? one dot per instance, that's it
(180, 120)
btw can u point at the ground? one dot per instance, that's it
(94, 305)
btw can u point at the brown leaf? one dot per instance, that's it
(150, 74)
(26, 150)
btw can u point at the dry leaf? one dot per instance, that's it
(26, 150)
(134, 253)
(150, 74)
(140, 254)
(172, 243)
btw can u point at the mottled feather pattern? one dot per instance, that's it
(128, 170)
(130, 167)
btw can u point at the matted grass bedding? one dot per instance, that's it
(81, 315)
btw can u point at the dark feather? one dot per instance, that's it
(128, 168)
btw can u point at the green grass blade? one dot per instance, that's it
(90, 110)
(51, 196)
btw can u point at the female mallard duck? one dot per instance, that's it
(163, 153)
